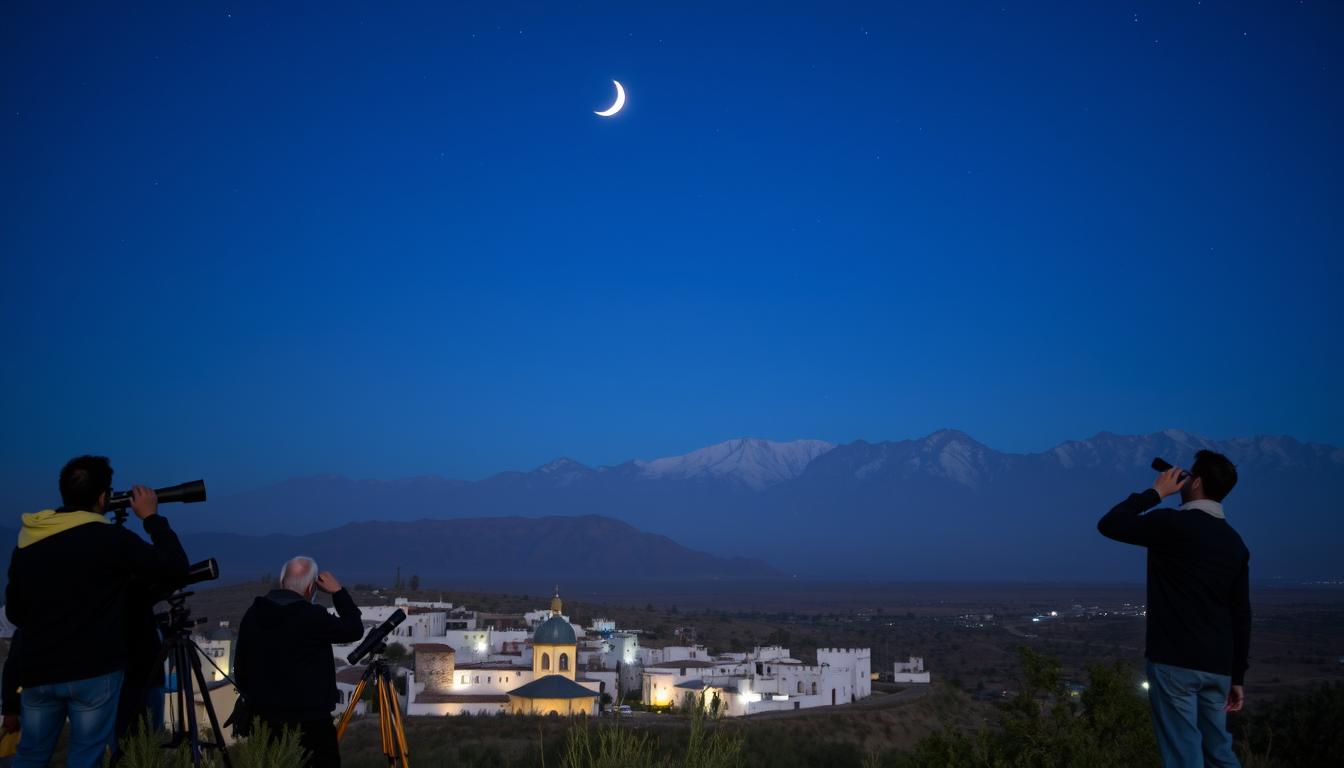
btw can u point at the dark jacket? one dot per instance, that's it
(10, 703)
(284, 666)
(67, 583)
(1199, 605)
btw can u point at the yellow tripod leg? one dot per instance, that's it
(384, 725)
(349, 710)
(399, 726)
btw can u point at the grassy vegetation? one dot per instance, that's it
(1043, 725)
(975, 711)
(144, 749)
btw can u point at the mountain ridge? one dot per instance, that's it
(941, 506)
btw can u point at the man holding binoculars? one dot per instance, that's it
(67, 578)
(1199, 608)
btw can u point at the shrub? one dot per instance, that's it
(144, 749)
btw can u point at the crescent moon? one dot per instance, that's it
(614, 108)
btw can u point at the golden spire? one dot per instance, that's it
(555, 602)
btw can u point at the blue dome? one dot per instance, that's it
(555, 631)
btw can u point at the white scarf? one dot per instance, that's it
(1207, 506)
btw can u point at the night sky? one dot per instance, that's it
(248, 242)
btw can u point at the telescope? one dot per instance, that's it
(376, 637)
(187, 493)
(206, 570)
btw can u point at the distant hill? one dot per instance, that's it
(479, 550)
(939, 507)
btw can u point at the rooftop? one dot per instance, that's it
(553, 687)
(434, 648)
(350, 675)
(428, 697)
(687, 663)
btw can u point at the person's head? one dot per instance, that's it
(1211, 477)
(85, 483)
(300, 575)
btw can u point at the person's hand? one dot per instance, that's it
(144, 501)
(328, 583)
(1170, 481)
(11, 724)
(1236, 699)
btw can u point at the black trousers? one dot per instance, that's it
(316, 736)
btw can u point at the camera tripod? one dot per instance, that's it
(390, 727)
(184, 660)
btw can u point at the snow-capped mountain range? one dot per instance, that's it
(940, 506)
(754, 463)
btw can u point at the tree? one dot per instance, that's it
(1042, 727)
(396, 653)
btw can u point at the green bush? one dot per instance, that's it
(1301, 730)
(1042, 727)
(606, 747)
(261, 750)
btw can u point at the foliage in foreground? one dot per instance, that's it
(1108, 725)
(144, 749)
(611, 746)
(1301, 730)
(1043, 726)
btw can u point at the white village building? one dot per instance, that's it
(764, 680)
(546, 675)
(911, 671)
(463, 664)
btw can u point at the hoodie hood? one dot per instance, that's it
(277, 607)
(47, 523)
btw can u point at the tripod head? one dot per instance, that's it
(178, 621)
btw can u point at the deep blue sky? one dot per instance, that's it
(247, 242)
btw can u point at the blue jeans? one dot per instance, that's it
(91, 705)
(1188, 717)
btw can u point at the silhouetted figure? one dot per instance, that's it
(284, 665)
(67, 581)
(1199, 608)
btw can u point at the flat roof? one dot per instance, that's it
(350, 675)
(687, 663)
(434, 697)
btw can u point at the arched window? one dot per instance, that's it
(800, 686)
(564, 662)
(546, 662)
(814, 687)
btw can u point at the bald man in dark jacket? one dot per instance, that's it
(285, 668)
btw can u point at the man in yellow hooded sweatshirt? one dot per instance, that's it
(67, 579)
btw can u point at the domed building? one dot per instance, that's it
(554, 688)
(550, 682)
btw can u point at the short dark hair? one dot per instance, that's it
(83, 480)
(1217, 473)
